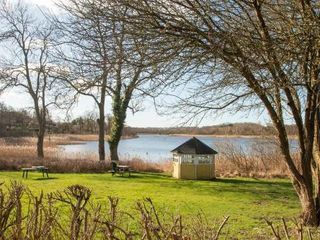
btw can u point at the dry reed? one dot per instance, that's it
(263, 160)
(257, 160)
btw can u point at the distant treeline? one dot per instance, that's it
(15, 122)
(20, 122)
(245, 129)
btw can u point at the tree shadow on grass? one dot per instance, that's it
(260, 188)
(45, 179)
(254, 181)
(239, 187)
(148, 177)
(264, 189)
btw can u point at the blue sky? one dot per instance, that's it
(146, 118)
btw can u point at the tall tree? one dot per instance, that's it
(104, 59)
(86, 54)
(25, 62)
(251, 54)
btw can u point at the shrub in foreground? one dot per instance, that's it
(70, 214)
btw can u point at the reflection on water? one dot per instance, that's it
(155, 148)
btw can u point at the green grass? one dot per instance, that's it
(247, 201)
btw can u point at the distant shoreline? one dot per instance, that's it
(55, 140)
(220, 136)
(217, 136)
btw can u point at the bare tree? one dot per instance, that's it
(25, 65)
(248, 55)
(136, 66)
(104, 60)
(87, 55)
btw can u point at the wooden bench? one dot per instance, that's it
(44, 170)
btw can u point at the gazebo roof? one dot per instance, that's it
(194, 146)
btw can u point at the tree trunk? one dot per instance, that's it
(115, 134)
(316, 164)
(41, 133)
(309, 209)
(102, 154)
(114, 139)
(113, 147)
(40, 151)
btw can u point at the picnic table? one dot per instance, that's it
(44, 170)
(124, 168)
(119, 169)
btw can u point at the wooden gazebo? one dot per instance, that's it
(194, 160)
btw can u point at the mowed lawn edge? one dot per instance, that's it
(247, 201)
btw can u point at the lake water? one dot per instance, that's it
(155, 148)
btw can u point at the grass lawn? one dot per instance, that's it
(247, 201)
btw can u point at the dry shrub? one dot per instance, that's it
(70, 214)
(286, 229)
(262, 159)
(73, 164)
(15, 157)
(144, 166)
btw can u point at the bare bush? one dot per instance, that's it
(11, 212)
(70, 214)
(258, 160)
(291, 230)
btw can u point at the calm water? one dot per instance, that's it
(156, 148)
